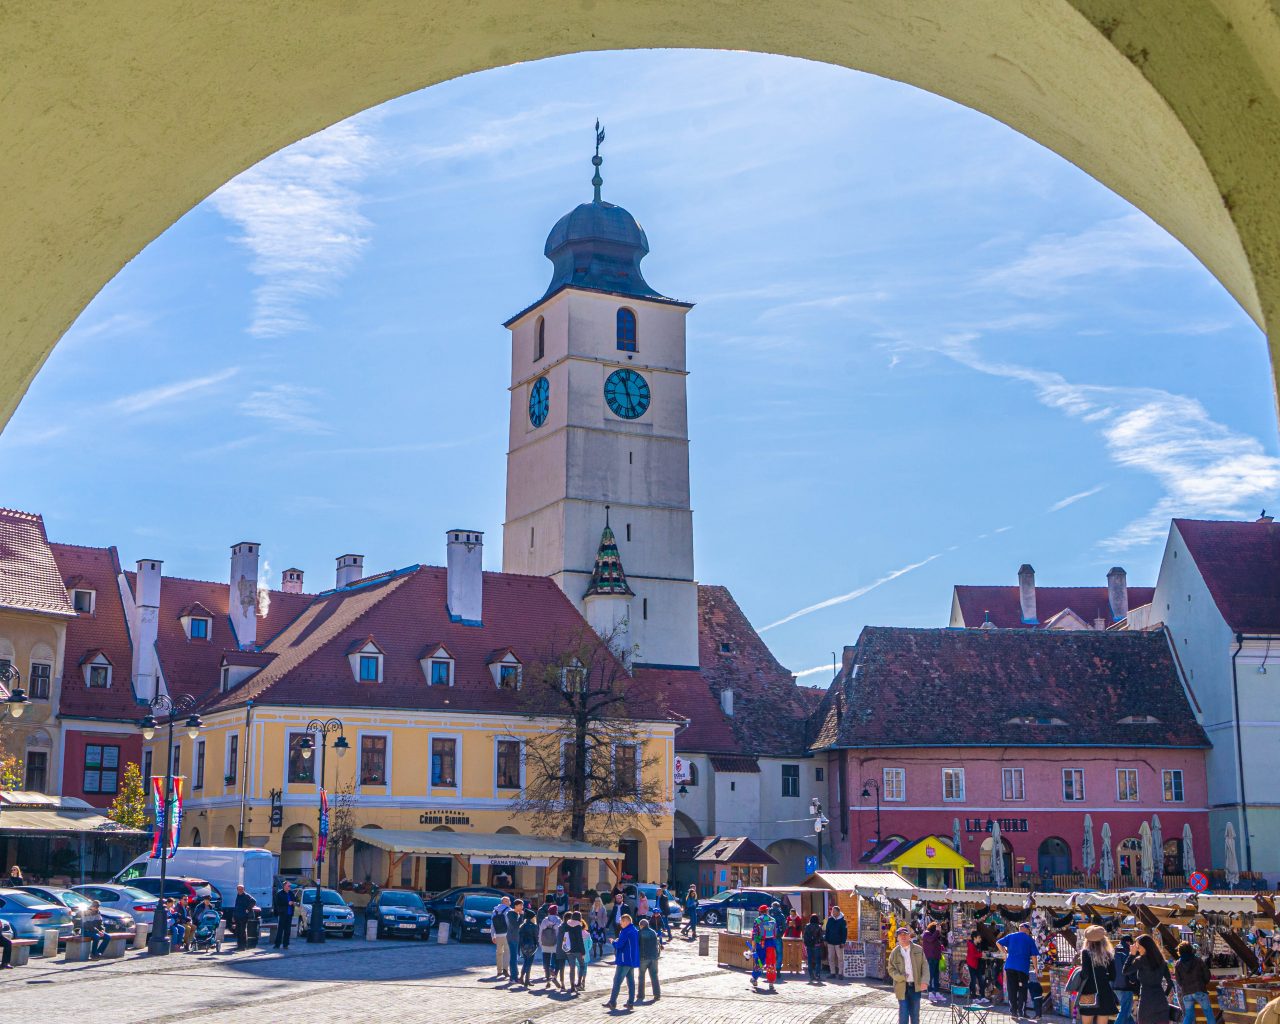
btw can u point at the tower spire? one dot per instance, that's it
(597, 160)
(607, 576)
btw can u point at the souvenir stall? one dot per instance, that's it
(872, 901)
(1239, 937)
(733, 945)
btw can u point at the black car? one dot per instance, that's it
(442, 904)
(78, 903)
(400, 912)
(714, 911)
(473, 916)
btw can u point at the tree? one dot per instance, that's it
(587, 775)
(342, 828)
(11, 773)
(130, 807)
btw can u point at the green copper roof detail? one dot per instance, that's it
(607, 577)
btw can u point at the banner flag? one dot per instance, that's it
(322, 842)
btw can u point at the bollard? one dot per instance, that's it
(370, 931)
(443, 937)
(704, 945)
(141, 930)
(220, 934)
(50, 947)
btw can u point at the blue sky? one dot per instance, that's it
(924, 350)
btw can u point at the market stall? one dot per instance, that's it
(734, 942)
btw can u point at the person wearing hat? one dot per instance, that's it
(1121, 987)
(910, 975)
(1097, 1000)
(763, 948)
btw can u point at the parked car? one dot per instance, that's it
(399, 912)
(30, 916)
(630, 891)
(142, 905)
(714, 910)
(472, 917)
(178, 887)
(442, 905)
(334, 912)
(78, 903)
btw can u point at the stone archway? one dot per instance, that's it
(229, 836)
(790, 855)
(297, 851)
(1176, 109)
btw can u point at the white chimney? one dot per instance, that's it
(465, 591)
(242, 601)
(1118, 593)
(726, 701)
(1027, 594)
(291, 581)
(350, 569)
(146, 623)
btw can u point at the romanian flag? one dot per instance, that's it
(174, 817)
(322, 841)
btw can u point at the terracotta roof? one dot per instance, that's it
(1006, 609)
(1240, 564)
(731, 850)
(734, 763)
(984, 687)
(30, 579)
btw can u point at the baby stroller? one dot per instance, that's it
(206, 934)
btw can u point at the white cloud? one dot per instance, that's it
(141, 401)
(1071, 499)
(853, 595)
(300, 215)
(288, 406)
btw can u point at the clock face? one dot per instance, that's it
(627, 394)
(539, 401)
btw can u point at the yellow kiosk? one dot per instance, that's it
(930, 863)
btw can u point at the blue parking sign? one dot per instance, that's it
(810, 865)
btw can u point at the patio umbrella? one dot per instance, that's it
(1148, 865)
(1107, 868)
(1230, 862)
(955, 835)
(1188, 852)
(997, 856)
(1157, 848)
(1086, 848)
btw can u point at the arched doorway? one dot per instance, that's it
(790, 855)
(1129, 858)
(986, 860)
(297, 851)
(229, 836)
(685, 826)
(195, 837)
(1054, 857)
(633, 851)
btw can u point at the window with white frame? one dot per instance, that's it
(82, 600)
(1173, 785)
(952, 784)
(441, 672)
(573, 678)
(894, 784)
(373, 760)
(1072, 784)
(39, 679)
(367, 662)
(97, 672)
(1012, 784)
(198, 628)
(1127, 785)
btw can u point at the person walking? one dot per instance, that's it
(1020, 952)
(690, 927)
(1121, 987)
(973, 961)
(812, 936)
(1192, 975)
(650, 951)
(240, 911)
(835, 935)
(1147, 972)
(515, 918)
(764, 933)
(597, 921)
(93, 927)
(498, 934)
(573, 951)
(907, 970)
(1097, 1000)
(549, 944)
(664, 910)
(933, 947)
(283, 904)
(626, 958)
(528, 945)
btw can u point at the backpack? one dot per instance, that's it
(768, 927)
(547, 936)
(1075, 981)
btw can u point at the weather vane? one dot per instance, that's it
(597, 160)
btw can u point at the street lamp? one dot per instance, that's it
(17, 702)
(315, 931)
(820, 823)
(866, 792)
(171, 708)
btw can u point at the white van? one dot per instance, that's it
(224, 866)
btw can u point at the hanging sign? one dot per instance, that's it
(167, 846)
(681, 770)
(514, 862)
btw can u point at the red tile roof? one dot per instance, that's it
(997, 687)
(1240, 564)
(735, 763)
(730, 850)
(1006, 610)
(30, 579)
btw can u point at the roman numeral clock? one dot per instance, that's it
(627, 394)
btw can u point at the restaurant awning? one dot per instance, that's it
(39, 814)
(482, 847)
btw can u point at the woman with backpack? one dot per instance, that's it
(573, 952)
(549, 944)
(528, 945)
(814, 948)
(1149, 974)
(1097, 1001)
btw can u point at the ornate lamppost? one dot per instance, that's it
(820, 823)
(170, 708)
(16, 703)
(322, 728)
(866, 792)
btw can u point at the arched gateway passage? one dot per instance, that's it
(1174, 105)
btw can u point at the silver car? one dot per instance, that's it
(336, 915)
(78, 903)
(141, 905)
(30, 917)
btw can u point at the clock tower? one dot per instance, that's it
(598, 455)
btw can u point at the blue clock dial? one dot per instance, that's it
(539, 401)
(627, 394)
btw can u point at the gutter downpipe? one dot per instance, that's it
(244, 772)
(1235, 707)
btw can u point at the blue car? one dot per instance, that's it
(30, 917)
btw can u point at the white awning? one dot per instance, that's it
(498, 846)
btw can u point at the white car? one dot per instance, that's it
(142, 905)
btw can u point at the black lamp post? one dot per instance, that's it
(866, 792)
(820, 824)
(315, 931)
(16, 703)
(170, 708)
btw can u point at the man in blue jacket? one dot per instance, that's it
(1020, 951)
(626, 958)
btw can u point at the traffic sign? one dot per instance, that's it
(1199, 881)
(810, 865)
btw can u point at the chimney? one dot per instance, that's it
(350, 569)
(1264, 518)
(291, 581)
(1118, 593)
(1100, 624)
(1027, 594)
(846, 660)
(726, 701)
(465, 589)
(146, 601)
(242, 603)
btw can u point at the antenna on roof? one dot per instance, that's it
(597, 160)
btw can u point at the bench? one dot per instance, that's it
(78, 947)
(120, 941)
(22, 951)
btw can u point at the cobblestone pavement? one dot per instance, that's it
(353, 981)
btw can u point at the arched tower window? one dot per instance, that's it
(539, 340)
(626, 330)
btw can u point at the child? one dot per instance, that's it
(814, 948)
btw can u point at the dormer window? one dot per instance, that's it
(573, 678)
(509, 677)
(369, 668)
(506, 669)
(197, 621)
(366, 661)
(199, 629)
(626, 330)
(83, 600)
(437, 665)
(97, 670)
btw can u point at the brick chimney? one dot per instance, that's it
(146, 624)
(242, 601)
(350, 569)
(1118, 593)
(1027, 594)
(291, 581)
(465, 587)
(846, 659)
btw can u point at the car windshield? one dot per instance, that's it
(327, 896)
(25, 899)
(401, 899)
(482, 904)
(719, 897)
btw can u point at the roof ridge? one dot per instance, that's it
(5, 510)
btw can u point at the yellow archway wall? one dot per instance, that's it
(120, 116)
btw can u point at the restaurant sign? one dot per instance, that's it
(513, 862)
(984, 824)
(443, 818)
